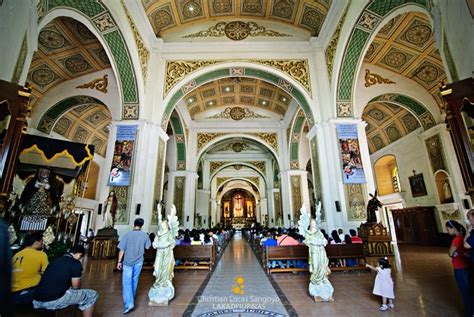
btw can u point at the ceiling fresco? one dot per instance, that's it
(386, 123)
(406, 46)
(236, 19)
(86, 124)
(66, 49)
(233, 96)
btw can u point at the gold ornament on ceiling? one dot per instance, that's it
(373, 79)
(221, 180)
(254, 180)
(331, 49)
(260, 165)
(237, 167)
(270, 139)
(236, 31)
(236, 113)
(214, 166)
(237, 147)
(143, 53)
(297, 69)
(99, 84)
(205, 138)
(177, 70)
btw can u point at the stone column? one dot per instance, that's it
(202, 205)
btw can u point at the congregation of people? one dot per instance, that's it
(57, 284)
(289, 237)
(37, 283)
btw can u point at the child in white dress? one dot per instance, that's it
(383, 285)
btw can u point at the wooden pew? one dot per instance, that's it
(283, 253)
(346, 251)
(300, 252)
(204, 253)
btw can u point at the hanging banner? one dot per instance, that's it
(123, 155)
(352, 170)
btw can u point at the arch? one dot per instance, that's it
(298, 125)
(235, 179)
(199, 78)
(421, 113)
(180, 139)
(231, 135)
(241, 163)
(370, 21)
(384, 168)
(100, 21)
(46, 123)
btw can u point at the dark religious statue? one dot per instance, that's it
(372, 207)
(41, 194)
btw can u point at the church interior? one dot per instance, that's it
(244, 120)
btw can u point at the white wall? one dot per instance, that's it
(410, 152)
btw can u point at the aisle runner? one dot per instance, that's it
(239, 286)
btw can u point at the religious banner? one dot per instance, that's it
(123, 153)
(352, 170)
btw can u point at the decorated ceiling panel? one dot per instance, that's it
(406, 46)
(236, 19)
(66, 49)
(386, 123)
(86, 124)
(237, 98)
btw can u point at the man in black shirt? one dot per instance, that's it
(61, 282)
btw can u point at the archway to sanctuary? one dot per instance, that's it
(249, 127)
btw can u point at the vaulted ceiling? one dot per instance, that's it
(86, 124)
(237, 98)
(217, 20)
(387, 123)
(66, 49)
(406, 46)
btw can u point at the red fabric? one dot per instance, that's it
(460, 261)
(356, 240)
(286, 240)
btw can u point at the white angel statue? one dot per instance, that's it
(162, 290)
(319, 286)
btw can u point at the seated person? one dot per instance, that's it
(354, 237)
(28, 266)
(335, 238)
(196, 239)
(207, 240)
(341, 234)
(60, 286)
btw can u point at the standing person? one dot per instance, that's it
(383, 285)
(28, 266)
(460, 262)
(60, 286)
(469, 244)
(130, 259)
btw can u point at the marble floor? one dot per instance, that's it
(424, 280)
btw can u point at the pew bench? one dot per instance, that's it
(347, 251)
(300, 252)
(205, 255)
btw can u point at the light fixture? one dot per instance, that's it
(210, 103)
(283, 99)
(264, 102)
(191, 8)
(190, 100)
(227, 88)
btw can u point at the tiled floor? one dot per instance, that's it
(424, 287)
(239, 286)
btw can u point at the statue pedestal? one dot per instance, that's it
(104, 245)
(154, 304)
(377, 241)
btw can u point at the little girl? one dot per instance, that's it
(383, 285)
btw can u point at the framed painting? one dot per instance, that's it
(417, 185)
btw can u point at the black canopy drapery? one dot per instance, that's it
(64, 158)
